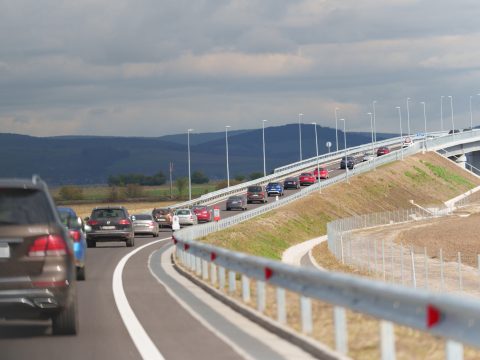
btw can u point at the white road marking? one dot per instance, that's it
(140, 338)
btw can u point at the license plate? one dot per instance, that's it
(162, 220)
(4, 251)
(255, 195)
(108, 227)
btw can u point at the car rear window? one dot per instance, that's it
(143, 217)
(24, 207)
(161, 211)
(68, 219)
(254, 189)
(235, 198)
(108, 213)
(183, 212)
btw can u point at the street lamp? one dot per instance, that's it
(263, 139)
(373, 148)
(451, 108)
(471, 115)
(226, 147)
(345, 145)
(408, 117)
(425, 123)
(300, 134)
(336, 128)
(316, 146)
(401, 131)
(374, 121)
(441, 112)
(189, 175)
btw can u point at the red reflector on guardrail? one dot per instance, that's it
(174, 240)
(433, 316)
(186, 247)
(213, 256)
(268, 273)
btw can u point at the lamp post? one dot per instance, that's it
(345, 145)
(401, 130)
(471, 115)
(425, 124)
(408, 117)
(451, 108)
(374, 122)
(226, 147)
(336, 128)
(300, 134)
(189, 175)
(263, 140)
(316, 147)
(441, 112)
(371, 128)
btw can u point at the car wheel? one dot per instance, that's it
(228, 209)
(130, 242)
(65, 322)
(81, 273)
(91, 243)
(248, 202)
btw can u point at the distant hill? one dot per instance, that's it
(91, 159)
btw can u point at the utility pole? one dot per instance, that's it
(171, 183)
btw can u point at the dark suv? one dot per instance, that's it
(256, 193)
(110, 223)
(347, 161)
(37, 267)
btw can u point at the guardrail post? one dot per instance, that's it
(221, 276)
(453, 350)
(198, 263)
(245, 288)
(261, 296)
(231, 282)
(341, 335)
(213, 273)
(204, 269)
(387, 339)
(281, 312)
(306, 315)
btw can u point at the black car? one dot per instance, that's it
(291, 183)
(347, 161)
(454, 131)
(37, 266)
(109, 224)
(236, 202)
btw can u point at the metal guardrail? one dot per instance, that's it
(449, 316)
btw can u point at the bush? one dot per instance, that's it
(255, 175)
(71, 193)
(223, 184)
(198, 177)
(114, 194)
(181, 184)
(133, 191)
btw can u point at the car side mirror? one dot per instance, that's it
(86, 219)
(132, 218)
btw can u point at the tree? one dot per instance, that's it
(71, 193)
(181, 184)
(256, 175)
(239, 177)
(198, 177)
(133, 191)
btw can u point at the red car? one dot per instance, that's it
(204, 213)
(323, 173)
(307, 179)
(383, 150)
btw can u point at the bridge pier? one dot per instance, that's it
(461, 161)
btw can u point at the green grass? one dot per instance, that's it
(448, 176)
(419, 176)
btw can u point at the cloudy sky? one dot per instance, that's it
(156, 67)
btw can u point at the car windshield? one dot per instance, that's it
(183, 212)
(108, 213)
(142, 217)
(24, 207)
(235, 198)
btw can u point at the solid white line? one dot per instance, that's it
(142, 341)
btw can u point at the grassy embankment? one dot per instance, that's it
(427, 179)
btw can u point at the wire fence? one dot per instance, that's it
(362, 242)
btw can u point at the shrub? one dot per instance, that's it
(71, 193)
(133, 191)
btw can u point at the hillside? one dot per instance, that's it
(428, 179)
(90, 159)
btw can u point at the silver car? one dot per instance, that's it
(186, 217)
(145, 224)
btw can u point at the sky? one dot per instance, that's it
(155, 67)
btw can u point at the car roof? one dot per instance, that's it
(34, 183)
(109, 207)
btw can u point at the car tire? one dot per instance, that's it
(66, 321)
(130, 242)
(81, 273)
(91, 243)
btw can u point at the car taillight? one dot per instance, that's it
(75, 234)
(124, 222)
(92, 222)
(50, 245)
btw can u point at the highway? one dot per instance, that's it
(153, 293)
